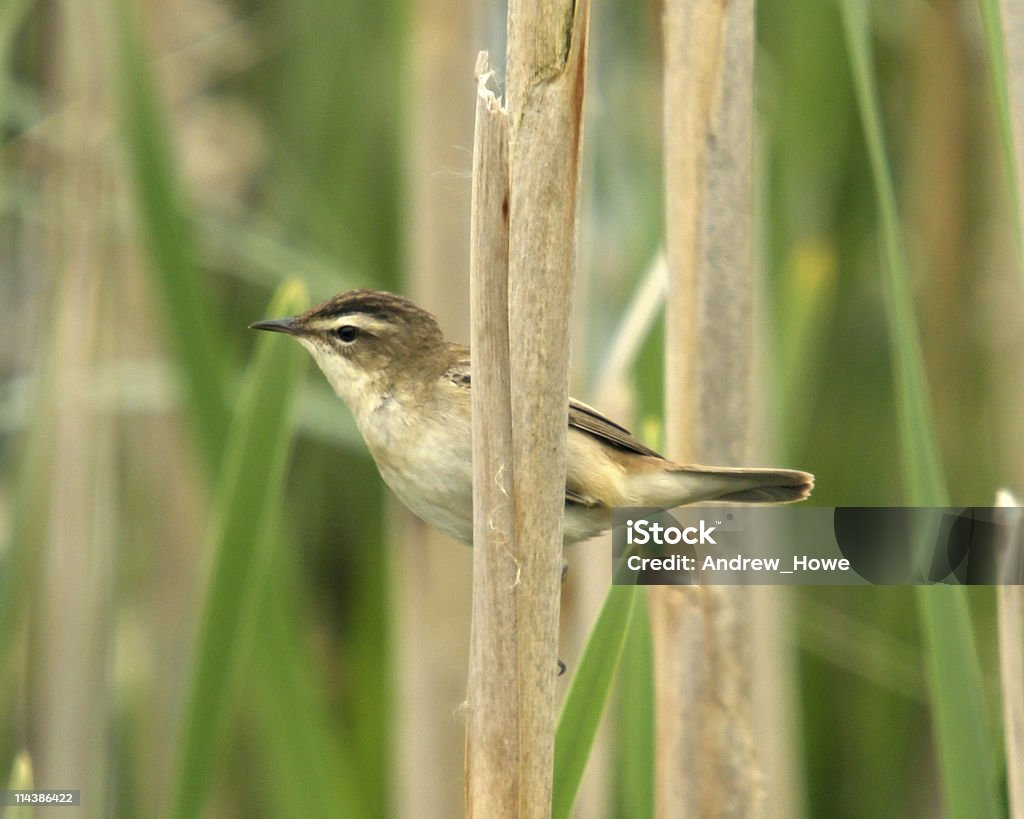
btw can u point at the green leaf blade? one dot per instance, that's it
(585, 702)
(168, 237)
(963, 736)
(247, 513)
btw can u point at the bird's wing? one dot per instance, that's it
(582, 417)
(587, 419)
(574, 497)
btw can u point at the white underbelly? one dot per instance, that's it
(431, 471)
(443, 497)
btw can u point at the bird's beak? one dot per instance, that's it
(286, 325)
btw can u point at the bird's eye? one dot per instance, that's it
(348, 333)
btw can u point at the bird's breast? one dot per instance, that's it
(426, 459)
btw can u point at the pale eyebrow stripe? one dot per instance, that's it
(361, 320)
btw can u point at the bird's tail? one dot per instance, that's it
(678, 485)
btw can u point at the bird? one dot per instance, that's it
(409, 391)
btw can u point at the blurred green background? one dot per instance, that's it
(166, 166)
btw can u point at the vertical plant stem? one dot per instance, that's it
(1004, 35)
(705, 759)
(547, 48)
(922, 468)
(588, 693)
(69, 709)
(1010, 611)
(515, 625)
(431, 574)
(1004, 28)
(1010, 608)
(492, 736)
(167, 236)
(960, 718)
(246, 531)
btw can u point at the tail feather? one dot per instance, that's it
(768, 485)
(770, 494)
(680, 485)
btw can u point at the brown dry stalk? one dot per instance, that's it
(706, 763)
(526, 180)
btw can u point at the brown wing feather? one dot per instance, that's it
(589, 420)
(582, 417)
(572, 496)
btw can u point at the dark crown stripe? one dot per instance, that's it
(366, 302)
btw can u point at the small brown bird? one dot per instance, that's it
(409, 390)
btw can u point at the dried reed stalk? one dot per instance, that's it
(432, 573)
(521, 354)
(706, 763)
